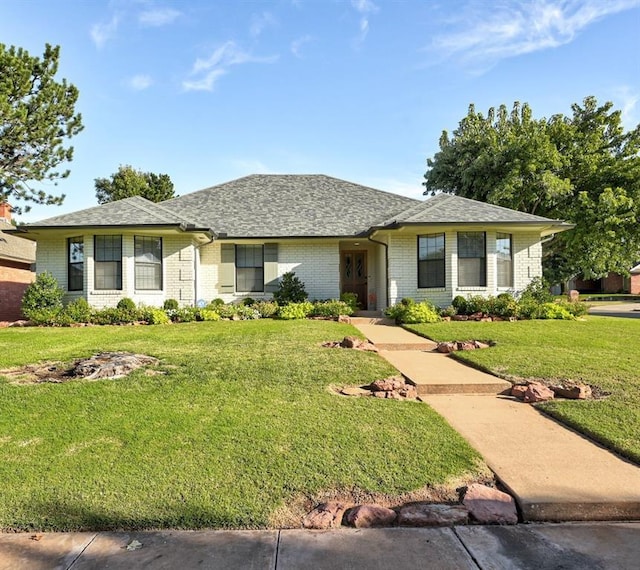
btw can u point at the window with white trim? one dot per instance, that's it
(249, 268)
(148, 263)
(107, 255)
(75, 268)
(504, 260)
(472, 259)
(431, 260)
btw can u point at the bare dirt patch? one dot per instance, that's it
(100, 366)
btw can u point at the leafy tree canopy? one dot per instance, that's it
(584, 169)
(129, 182)
(36, 116)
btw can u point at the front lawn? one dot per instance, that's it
(241, 432)
(600, 351)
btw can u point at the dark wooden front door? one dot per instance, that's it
(353, 275)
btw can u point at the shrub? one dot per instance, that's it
(266, 308)
(554, 311)
(217, 302)
(170, 305)
(449, 311)
(538, 291)
(413, 313)
(227, 311)
(79, 311)
(577, 308)
(478, 304)
(290, 290)
(505, 306)
(459, 303)
(49, 317)
(154, 316)
(331, 308)
(295, 310)
(109, 316)
(43, 293)
(183, 315)
(528, 309)
(247, 313)
(248, 301)
(350, 299)
(208, 315)
(126, 304)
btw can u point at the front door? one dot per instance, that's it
(353, 275)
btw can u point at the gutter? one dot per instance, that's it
(386, 265)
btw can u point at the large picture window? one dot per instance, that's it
(148, 262)
(249, 268)
(108, 262)
(75, 268)
(431, 261)
(504, 260)
(472, 259)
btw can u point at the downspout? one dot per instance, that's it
(196, 260)
(386, 265)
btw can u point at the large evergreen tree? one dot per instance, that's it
(37, 114)
(127, 182)
(584, 169)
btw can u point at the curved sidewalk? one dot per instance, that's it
(554, 473)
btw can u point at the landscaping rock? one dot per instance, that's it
(446, 347)
(574, 296)
(432, 515)
(490, 506)
(350, 342)
(387, 384)
(578, 392)
(367, 516)
(460, 318)
(519, 390)
(408, 391)
(537, 392)
(466, 345)
(325, 515)
(354, 391)
(344, 319)
(21, 323)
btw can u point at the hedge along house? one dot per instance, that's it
(237, 239)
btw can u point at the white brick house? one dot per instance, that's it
(237, 239)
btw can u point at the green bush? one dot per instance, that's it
(208, 315)
(79, 311)
(576, 308)
(295, 310)
(247, 312)
(332, 308)
(170, 305)
(50, 317)
(266, 309)
(43, 293)
(537, 291)
(110, 316)
(248, 301)
(154, 316)
(505, 306)
(227, 311)
(183, 315)
(449, 311)
(528, 309)
(413, 313)
(350, 299)
(290, 290)
(126, 304)
(554, 311)
(459, 303)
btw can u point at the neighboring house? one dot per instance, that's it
(236, 240)
(612, 283)
(17, 256)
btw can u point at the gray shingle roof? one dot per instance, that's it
(134, 211)
(15, 248)
(288, 205)
(447, 208)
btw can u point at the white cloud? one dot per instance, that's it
(296, 45)
(140, 82)
(484, 37)
(627, 101)
(101, 33)
(365, 8)
(157, 17)
(261, 21)
(206, 72)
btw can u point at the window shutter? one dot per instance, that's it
(227, 271)
(271, 281)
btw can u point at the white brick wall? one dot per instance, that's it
(403, 270)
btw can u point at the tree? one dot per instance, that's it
(584, 169)
(129, 182)
(36, 114)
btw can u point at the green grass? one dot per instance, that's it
(600, 351)
(241, 426)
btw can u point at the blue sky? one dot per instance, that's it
(208, 91)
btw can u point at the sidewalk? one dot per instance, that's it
(528, 547)
(554, 473)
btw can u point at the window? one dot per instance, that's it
(472, 259)
(249, 268)
(148, 261)
(108, 262)
(75, 269)
(504, 260)
(431, 262)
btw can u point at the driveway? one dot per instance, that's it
(627, 310)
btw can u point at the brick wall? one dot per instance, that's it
(14, 278)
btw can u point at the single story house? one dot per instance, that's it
(17, 258)
(612, 283)
(237, 239)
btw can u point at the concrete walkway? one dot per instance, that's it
(527, 547)
(554, 473)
